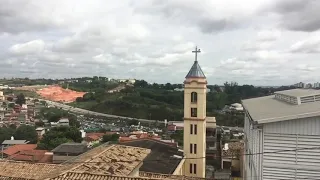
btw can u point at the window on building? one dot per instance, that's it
(191, 128)
(195, 148)
(190, 148)
(195, 129)
(190, 168)
(194, 97)
(193, 112)
(194, 168)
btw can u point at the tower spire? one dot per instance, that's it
(196, 51)
(195, 71)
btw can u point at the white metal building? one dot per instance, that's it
(282, 134)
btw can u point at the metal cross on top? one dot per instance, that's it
(196, 52)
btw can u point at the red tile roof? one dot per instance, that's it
(96, 136)
(19, 147)
(28, 155)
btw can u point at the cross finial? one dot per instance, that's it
(196, 52)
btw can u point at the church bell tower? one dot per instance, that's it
(194, 143)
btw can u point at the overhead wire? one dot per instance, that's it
(176, 158)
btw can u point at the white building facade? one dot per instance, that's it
(282, 136)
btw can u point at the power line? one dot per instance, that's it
(160, 160)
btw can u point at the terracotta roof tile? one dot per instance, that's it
(115, 160)
(28, 155)
(16, 169)
(19, 147)
(93, 176)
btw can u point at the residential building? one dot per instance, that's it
(63, 122)
(236, 107)
(231, 158)
(116, 162)
(211, 138)
(68, 151)
(26, 152)
(282, 135)
(2, 98)
(40, 131)
(171, 157)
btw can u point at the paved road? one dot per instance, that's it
(84, 111)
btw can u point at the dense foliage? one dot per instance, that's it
(165, 101)
(96, 85)
(25, 132)
(110, 137)
(21, 99)
(59, 135)
(6, 133)
(54, 114)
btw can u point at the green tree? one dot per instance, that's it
(11, 105)
(25, 132)
(59, 135)
(21, 99)
(39, 124)
(102, 130)
(108, 137)
(6, 133)
(73, 120)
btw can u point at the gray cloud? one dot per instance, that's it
(153, 40)
(298, 15)
(207, 18)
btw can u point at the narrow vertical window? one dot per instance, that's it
(191, 128)
(193, 112)
(195, 129)
(194, 97)
(190, 148)
(190, 168)
(194, 168)
(195, 148)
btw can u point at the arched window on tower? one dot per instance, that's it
(194, 97)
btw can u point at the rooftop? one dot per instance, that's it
(31, 155)
(149, 176)
(269, 109)
(234, 149)
(12, 142)
(23, 170)
(70, 148)
(19, 147)
(299, 92)
(161, 159)
(195, 71)
(114, 162)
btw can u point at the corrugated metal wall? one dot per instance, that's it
(308, 126)
(253, 138)
(292, 156)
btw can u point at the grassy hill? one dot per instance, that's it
(136, 102)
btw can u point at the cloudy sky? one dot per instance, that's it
(260, 42)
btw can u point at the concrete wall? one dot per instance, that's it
(61, 159)
(198, 86)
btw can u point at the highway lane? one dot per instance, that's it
(84, 111)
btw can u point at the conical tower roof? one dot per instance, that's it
(195, 71)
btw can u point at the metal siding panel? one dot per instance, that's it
(307, 126)
(302, 163)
